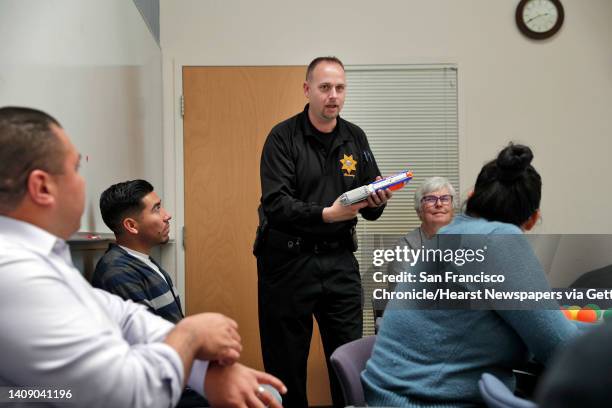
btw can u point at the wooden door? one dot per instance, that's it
(229, 111)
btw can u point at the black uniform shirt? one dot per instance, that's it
(324, 139)
(299, 177)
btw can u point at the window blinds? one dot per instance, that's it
(409, 114)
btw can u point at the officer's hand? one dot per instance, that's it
(337, 212)
(216, 337)
(380, 197)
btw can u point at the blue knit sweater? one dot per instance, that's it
(434, 358)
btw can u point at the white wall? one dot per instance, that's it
(555, 95)
(94, 66)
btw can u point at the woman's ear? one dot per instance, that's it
(531, 221)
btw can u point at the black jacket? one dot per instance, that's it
(299, 178)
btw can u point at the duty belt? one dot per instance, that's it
(291, 243)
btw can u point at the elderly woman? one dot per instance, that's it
(433, 202)
(434, 358)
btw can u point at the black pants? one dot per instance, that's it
(191, 399)
(294, 287)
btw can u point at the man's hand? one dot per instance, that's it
(216, 337)
(380, 197)
(337, 212)
(238, 386)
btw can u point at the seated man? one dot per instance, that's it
(133, 211)
(60, 334)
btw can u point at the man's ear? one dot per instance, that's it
(42, 189)
(306, 89)
(531, 221)
(130, 225)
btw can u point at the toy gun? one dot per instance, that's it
(394, 182)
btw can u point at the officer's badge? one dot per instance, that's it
(349, 165)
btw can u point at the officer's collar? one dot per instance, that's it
(307, 130)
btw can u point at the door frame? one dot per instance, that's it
(174, 176)
(173, 257)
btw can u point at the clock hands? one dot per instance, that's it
(538, 16)
(539, 19)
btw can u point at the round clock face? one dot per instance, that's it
(539, 18)
(540, 15)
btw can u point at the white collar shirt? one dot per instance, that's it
(144, 258)
(59, 333)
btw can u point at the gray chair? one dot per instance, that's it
(496, 395)
(349, 361)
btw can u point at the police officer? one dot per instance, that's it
(305, 258)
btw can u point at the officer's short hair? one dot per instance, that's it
(313, 64)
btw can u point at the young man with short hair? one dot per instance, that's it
(134, 212)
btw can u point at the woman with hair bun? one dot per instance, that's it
(434, 358)
(508, 189)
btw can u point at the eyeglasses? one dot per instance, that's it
(431, 200)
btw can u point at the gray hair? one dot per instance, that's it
(430, 185)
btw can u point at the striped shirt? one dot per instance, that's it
(125, 275)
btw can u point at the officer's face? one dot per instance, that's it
(325, 90)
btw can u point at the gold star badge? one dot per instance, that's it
(348, 164)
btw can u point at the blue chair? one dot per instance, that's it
(349, 361)
(496, 395)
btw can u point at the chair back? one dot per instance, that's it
(496, 395)
(349, 361)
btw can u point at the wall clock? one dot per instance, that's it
(539, 19)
